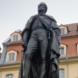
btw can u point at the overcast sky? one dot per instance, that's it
(15, 13)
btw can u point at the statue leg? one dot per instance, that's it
(43, 46)
(43, 55)
(32, 46)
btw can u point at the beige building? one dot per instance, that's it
(68, 65)
(11, 56)
(9, 70)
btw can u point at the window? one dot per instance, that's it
(11, 57)
(61, 50)
(9, 76)
(15, 38)
(62, 31)
(61, 73)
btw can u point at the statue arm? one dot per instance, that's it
(55, 28)
(26, 33)
(57, 32)
(25, 38)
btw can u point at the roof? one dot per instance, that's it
(18, 31)
(72, 29)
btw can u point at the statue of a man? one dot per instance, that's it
(40, 41)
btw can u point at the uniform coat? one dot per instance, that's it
(53, 50)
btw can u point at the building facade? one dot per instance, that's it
(68, 64)
(12, 49)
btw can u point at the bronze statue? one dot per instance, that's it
(40, 41)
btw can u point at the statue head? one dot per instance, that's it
(42, 8)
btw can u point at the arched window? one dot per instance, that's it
(11, 56)
(15, 37)
(61, 73)
(9, 76)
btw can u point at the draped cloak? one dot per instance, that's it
(54, 48)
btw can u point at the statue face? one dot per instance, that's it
(41, 9)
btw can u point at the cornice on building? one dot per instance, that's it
(15, 43)
(69, 59)
(67, 37)
(10, 65)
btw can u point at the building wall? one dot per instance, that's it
(71, 45)
(70, 67)
(10, 69)
(0, 74)
(17, 47)
(73, 70)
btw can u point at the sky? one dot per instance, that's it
(15, 13)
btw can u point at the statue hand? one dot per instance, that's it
(24, 44)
